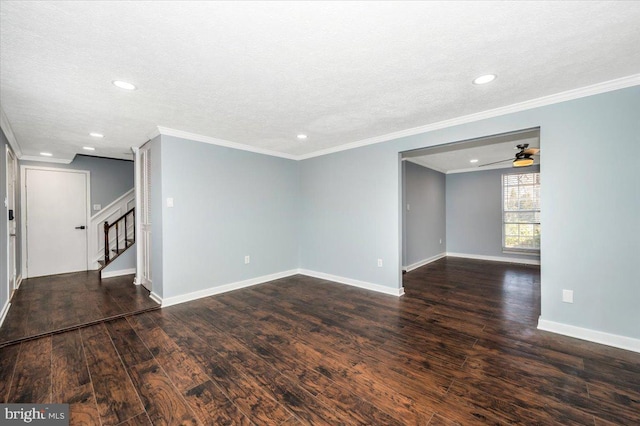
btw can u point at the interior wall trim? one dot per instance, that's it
(522, 261)
(615, 340)
(118, 273)
(424, 262)
(182, 298)
(355, 283)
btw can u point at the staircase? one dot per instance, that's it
(119, 235)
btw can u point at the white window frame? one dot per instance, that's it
(516, 250)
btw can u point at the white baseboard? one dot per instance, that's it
(174, 300)
(617, 341)
(155, 298)
(18, 281)
(4, 312)
(348, 281)
(496, 258)
(119, 273)
(424, 262)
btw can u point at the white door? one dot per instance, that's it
(145, 223)
(56, 220)
(11, 208)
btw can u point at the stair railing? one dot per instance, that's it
(116, 224)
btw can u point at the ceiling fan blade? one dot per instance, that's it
(496, 162)
(531, 151)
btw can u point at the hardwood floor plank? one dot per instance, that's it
(131, 349)
(57, 303)
(244, 391)
(69, 366)
(140, 420)
(438, 420)
(116, 397)
(162, 401)
(213, 407)
(32, 377)
(460, 348)
(83, 409)
(8, 360)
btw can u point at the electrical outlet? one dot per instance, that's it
(247, 260)
(408, 206)
(379, 263)
(567, 296)
(170, 202)
(97, 207)
(440, 240)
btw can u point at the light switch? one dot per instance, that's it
(169, 202)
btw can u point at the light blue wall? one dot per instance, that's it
(126, 260)
(590, 207)
(110, 178)
(425, 230)
(474, 212)
(349, 214)
(227, 204)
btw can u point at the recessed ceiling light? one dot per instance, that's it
(46, 154)
(475, 160)
(124, 85)
(484, 79)
(302, 136)
(89, 148)
(96, 135)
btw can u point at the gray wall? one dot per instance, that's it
(425, 223)
(591, 243)
(474, 213)
(110, 178)
(349, 214)
(228, 204)
(4, 237)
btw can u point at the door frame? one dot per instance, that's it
(11, 197)
(23, 210)
(141, 190)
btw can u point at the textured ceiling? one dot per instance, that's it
(259, 73)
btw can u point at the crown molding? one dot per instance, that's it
(594, 89)
(45, 159)
(8, 132)
(220, 142)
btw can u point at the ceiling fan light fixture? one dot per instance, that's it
(522, 162)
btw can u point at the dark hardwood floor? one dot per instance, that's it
(461, 347)
(56, 303)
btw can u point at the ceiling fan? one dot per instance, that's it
(523, 158)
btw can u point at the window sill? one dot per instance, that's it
(533, 253)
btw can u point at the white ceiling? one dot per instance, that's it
(258, 73)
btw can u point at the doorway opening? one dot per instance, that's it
(476, 199)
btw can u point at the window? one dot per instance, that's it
(521, 212)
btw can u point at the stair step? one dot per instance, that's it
(101, 262)
(119, 251)
(130, 241)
